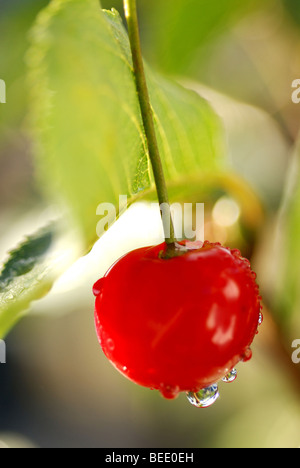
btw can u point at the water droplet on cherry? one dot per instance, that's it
(230, 377)
(236, 253)
(97, 288)
(169, 391)
(247, 355)
(110, 344)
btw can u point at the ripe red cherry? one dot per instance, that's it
(178, 324)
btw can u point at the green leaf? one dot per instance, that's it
(23, 259)
(26, 276)
(90, 141)
(31, 269)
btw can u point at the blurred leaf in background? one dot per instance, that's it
(174, 31)
(293, 9)
(286, 250)
(17, 189)
(223, 43)
(16, 19)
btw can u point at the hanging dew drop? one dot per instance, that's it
(230, 377)
(205, 397)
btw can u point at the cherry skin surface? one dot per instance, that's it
(178, 324)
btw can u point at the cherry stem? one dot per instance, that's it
(148, 121)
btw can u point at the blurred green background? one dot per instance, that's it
(57, 389)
